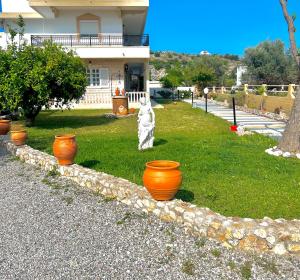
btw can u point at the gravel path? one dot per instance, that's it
(52, 229)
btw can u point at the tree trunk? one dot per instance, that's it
(29, 121)
(290, 141)
(30, 115)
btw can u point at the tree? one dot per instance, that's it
(173, 79)
(203, 77)
(290, 141)
(268, 63)
(34, 78)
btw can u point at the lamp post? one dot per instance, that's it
(232, 92)
(206, 90)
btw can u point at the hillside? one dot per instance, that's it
(163, 60)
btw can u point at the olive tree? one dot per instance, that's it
(268, 63)
(290, 141)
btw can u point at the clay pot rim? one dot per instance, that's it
(18, 131)
(64, 136)
(5, 121)
(163, 165)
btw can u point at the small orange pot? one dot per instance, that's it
(162, 178)
(131, 111)
(4, 127)
(18, 137)
(65, 149)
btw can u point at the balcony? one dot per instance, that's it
(90, 40)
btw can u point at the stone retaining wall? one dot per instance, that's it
(278, 236)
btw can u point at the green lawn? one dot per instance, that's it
(229, 174)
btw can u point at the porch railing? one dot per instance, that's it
(90, 40)
(106, 98)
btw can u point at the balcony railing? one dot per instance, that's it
(92, 40)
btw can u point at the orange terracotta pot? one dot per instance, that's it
(131, 111)
(18, 137)
(4, 127)
(65, 149)
(162, 178)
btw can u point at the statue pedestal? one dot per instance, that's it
(120, 105)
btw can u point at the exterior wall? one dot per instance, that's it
(270, 103)
(113, 52)
(239, 74)
(66, 23)
(101, 98)
(16, 6)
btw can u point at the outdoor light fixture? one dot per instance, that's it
(206, 91)
(233, 92)
(192, 94)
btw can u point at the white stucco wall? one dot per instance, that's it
(16, 6)
(65, 23)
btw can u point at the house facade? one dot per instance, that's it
(107, 35)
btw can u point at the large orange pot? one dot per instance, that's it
(4, 127)
(65, 149)
(162, 178)
(18, 137)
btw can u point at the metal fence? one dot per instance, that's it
(91, 40)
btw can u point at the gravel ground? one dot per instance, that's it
(52, 229)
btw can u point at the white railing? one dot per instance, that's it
(272, 90)
(134, 97)
(104, 99)
(93, 96)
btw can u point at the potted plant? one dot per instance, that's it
(4, 127)
(65, 149)
(117, 91)
(18, 135)
(162, 178)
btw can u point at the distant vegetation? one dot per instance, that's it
(269, 63)
(176, 69)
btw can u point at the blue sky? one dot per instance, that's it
(216, 25)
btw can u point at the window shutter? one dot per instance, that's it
(104, 74)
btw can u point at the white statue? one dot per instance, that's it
(146, 121)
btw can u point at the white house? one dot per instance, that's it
(107, 35)
(240, 71)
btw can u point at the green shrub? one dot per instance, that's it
(165, 94)
(185, 94)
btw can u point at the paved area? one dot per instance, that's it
(52, 229)
(258, 124)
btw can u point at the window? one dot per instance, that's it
(98, 77)
(89, 27)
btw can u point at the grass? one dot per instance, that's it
(188, 268)
(229, 174)
(246, 270)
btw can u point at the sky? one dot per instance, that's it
(218, 26)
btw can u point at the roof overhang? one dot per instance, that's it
(90, 3)
(16, 15)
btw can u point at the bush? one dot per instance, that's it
(165, 94)
(185, 94)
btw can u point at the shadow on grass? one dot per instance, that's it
(185, 195)
(50, 121)
(89, 163)
(159, 142)
(165, 101)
